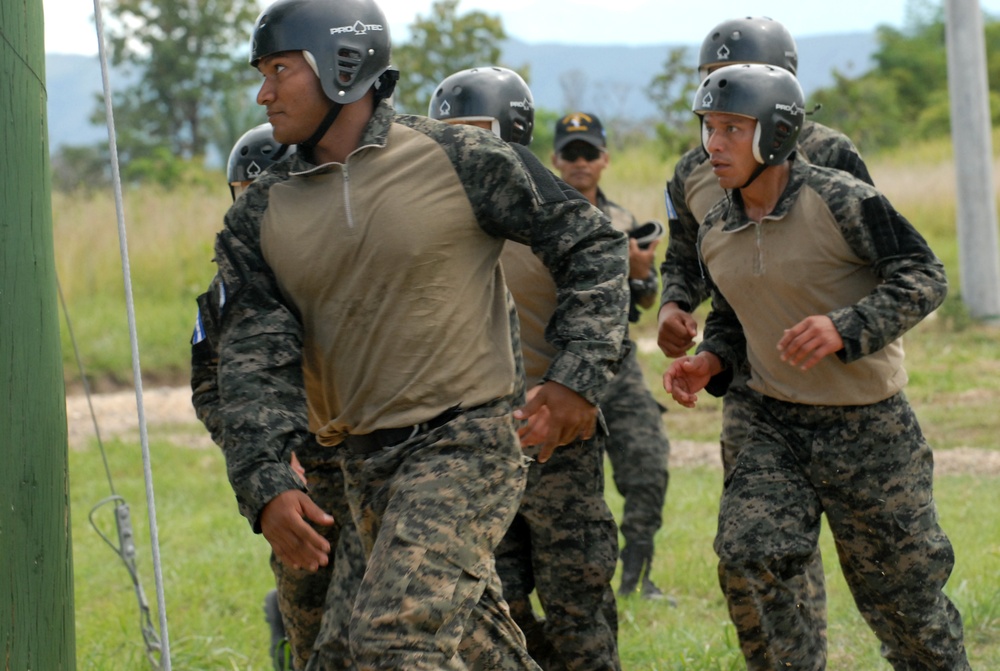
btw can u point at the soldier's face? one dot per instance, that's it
(580, 165)
(729, 142)
(293, 96)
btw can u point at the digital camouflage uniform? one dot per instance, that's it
(431, 509)
(300, 594)
(563, 541)
(637, 443)
(691, 192)
(867, 467)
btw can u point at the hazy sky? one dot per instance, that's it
(69, 26)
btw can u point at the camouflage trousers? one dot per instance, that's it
(429, 513)
(638, 449)
(737, 408)
(564, 544)
(869, 469)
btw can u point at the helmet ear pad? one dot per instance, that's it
(756, 143)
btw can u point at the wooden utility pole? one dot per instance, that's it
(36, 568)
(972, 139)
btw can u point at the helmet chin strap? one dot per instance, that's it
(324, 126)
(761, 167)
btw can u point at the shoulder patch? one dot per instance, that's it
(199, 330)
(668, 201)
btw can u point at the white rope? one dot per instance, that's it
(136, 372)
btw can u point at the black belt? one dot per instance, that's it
(376, 440)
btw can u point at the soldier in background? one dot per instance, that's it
(692, 191)
(815, 279)
(563, 542)
(637, 444)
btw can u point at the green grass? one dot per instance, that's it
(698, 635)
(216, 573)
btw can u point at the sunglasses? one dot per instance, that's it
(588, 151)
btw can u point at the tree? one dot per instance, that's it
(866, 109)
(671, 92)
(905, 94)
(440, 45)
(187, 58)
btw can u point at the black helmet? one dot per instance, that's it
(768, 94)
(754, 39)
(490, 93)
(346, 42)
(253, 153)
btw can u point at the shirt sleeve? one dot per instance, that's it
(913, 281)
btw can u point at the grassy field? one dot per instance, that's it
(216, 571)
(216, 574)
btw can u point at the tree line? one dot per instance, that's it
(193, 90)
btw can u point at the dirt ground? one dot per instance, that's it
(168, 413)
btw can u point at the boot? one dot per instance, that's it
(637, 561)
(281, 651)
(633, 558)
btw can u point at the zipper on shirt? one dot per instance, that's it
(347, 196)
(758, 259)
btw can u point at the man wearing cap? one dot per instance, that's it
(637, 445)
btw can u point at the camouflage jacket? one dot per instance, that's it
(910, 281)
(263, 407)
(683, 279)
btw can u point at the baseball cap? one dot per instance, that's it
(579, 126)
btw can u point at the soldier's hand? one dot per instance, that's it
(688, 375)
(809, 341)
(555, 415)
(640, 260)
(295, 543)
(675, 331)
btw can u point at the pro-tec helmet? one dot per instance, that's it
(254, 152)
(345, 41)
(495, 94)
(753, 39)
(768, 94)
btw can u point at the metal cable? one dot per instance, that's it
(133, 337)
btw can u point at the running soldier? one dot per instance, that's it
(693, 190)
(365, 302)
(815, 279)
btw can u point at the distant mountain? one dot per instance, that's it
(608, 80)
(612, 80)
